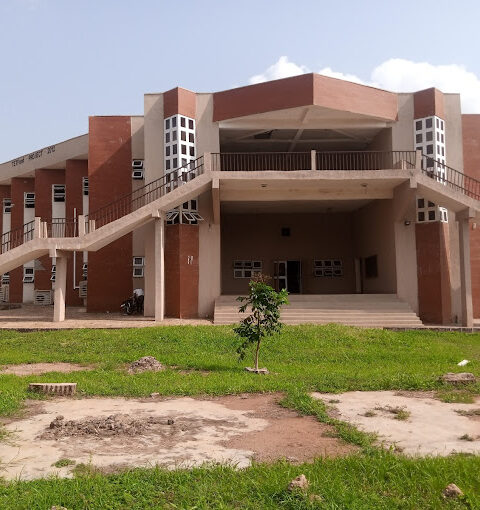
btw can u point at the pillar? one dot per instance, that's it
(60, 288)
(159, 243)
(465, 270)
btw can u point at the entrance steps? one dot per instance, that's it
(366, 310)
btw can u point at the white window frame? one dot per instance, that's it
(85, 186)
(247, 268)
(138, 169)
(328, 268)
(138, 263)
(29, 200)
(28, 275)
(7, 205)
(59, 192)
(5, 278)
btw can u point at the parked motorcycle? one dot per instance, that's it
(133, 304)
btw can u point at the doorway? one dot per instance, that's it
(287, 274)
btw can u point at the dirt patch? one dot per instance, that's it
(145, 364)
(288, 435)
(42, 368)
(232, 430)
(426, 426)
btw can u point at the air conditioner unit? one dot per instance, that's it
(42, 297)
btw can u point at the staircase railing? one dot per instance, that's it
(145, 195)
(18, 236)
(452, 178)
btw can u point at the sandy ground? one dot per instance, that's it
(231, 430)
(41, 368)
(41, 317)
(433, 427)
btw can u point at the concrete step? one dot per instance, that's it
(366, 310)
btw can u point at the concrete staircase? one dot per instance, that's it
(366, 310)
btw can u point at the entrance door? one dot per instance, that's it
(287, 274)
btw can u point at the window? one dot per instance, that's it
(190, 124)
(138, 171)
(418, 138)
(28, 275)
(58, 191)
(285, 231)
(328, 268)
(428, 123)
(5, 278)
(85, 185)
(54, 272)
(29, 200)
(182, 122)
(247, 268)
(7, 205)
(429, 136)
(138, 267)
(85, 270)
(371, 267)
(418, 125)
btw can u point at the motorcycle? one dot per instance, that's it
(133, 304)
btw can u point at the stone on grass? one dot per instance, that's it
(459, 378)
(145, 364)
(255, 371)
(155, 394)
(452, 491)
(55, 507)
(300, 482)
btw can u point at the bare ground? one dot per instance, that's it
(231, 430)
(425, 426)
(42, 368)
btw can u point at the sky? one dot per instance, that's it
(64, 60)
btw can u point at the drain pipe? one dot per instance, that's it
(75, 286)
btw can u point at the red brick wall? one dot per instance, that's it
(19, 186)
(75, 170)
(471, 165)
(428, 102)
(434, 288)
(181, 278)
(180, 101)
(44, 179)
(110, 176)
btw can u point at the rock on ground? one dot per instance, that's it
(300, 482)
(452, 491)
(145, 364)
(460, 378)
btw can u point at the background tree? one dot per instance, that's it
(264, 319)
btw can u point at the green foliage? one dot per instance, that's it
(264, 320)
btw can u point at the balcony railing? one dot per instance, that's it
(62, 227)
(450, 177)
(313, 160)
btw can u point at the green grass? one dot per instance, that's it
(380, 480)
(63, 463)
(301, 359)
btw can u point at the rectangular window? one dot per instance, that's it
(418, 125)
(182, 122)
(58, 192)
(29, 200)
(371, 265)
(85, 185)
(28, 275)
(247, 268)
(7, 205)
(85, 270)
(428, 123)
(54, 272)
(190, 124)
(138, 267)
(328, 268)
(5, 278)
(419, 138)
(429, 136)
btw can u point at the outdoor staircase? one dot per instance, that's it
(366, 310)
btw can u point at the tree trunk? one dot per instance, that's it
(256, 355)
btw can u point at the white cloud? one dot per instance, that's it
(398, 75)
(283, 68)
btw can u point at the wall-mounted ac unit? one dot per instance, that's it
(42, 297)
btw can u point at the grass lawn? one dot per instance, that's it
(302, 359)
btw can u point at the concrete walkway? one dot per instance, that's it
(41, 317)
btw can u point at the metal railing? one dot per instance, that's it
(261, 161)
(18, 236)
(145, 195)
(365, 160)
(450, 177)
(62, 227)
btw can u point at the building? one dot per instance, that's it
(331, 187)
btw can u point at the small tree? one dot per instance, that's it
(264, 320)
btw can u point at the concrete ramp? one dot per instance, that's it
(366, 310)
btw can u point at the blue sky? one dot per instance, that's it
(63, 60)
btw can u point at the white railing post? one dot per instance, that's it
(37, 227)
(418, 160)
(207, 162)
(313, 157)
(81, 225)
(91, 225)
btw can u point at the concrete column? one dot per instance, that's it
(60, 288)
(465, 271)
(37, 233)
(313, 158)
(149, 270)
(81, 225)
(160, 267)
